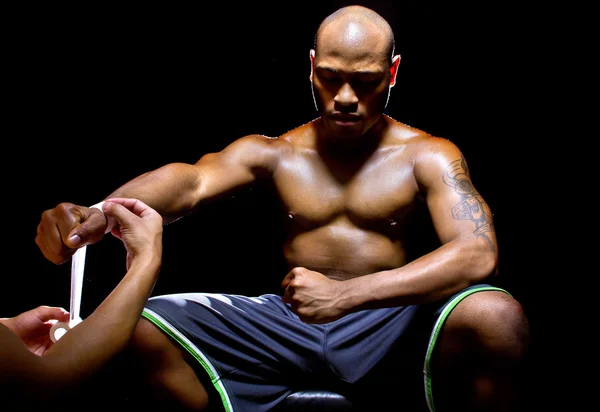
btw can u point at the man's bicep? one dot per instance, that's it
(457, 208)
(238, 165)
(457, 213)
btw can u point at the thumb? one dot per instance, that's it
(120, 213)
(286, 280)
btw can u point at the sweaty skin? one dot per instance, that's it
(346, 215)
(351, 183)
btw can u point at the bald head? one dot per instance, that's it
(356, 27)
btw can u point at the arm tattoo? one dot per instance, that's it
(471, 207)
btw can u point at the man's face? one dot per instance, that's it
(351, 87)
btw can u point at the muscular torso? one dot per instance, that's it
(348, 219)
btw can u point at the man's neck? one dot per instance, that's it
(351, 147)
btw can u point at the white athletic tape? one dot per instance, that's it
(77, 267)
(110, 222)
(98, 206)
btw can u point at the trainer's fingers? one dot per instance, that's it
(135, 205)
(120, 212)
(46, 313)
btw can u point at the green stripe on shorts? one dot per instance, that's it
(435, 333)
(166, 327)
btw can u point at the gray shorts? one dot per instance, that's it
(256, 351)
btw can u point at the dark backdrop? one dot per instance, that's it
(103, 94)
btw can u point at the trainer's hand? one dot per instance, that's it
(33, 326)
(67, 227)
(312, 296)
(139, 227)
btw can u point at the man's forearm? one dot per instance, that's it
(172, 190)
(434, 276)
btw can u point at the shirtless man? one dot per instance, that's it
(356, 313)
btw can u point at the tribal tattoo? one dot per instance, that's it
(471, 207)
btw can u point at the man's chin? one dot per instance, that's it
(345, 129)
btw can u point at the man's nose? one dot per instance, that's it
(346, 95)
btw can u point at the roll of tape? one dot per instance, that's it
(59, 329)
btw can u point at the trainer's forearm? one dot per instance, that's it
(99, 337)
(172, 190)
(437, 275)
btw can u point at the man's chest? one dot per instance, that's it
(380, 191)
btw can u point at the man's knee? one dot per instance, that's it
(490, 323)
(480, 357)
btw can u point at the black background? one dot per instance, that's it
(100, 94)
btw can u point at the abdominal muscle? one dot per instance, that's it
(342, 251)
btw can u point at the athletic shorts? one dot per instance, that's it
(255, 351)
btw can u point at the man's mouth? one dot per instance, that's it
(345, 120)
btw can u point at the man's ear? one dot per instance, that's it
(312, 63)
(394, 69)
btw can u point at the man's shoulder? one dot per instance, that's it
(261, 144)
(404, 134)
(299, 137)
(259, 139)
(410, 132)
(418, 141)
